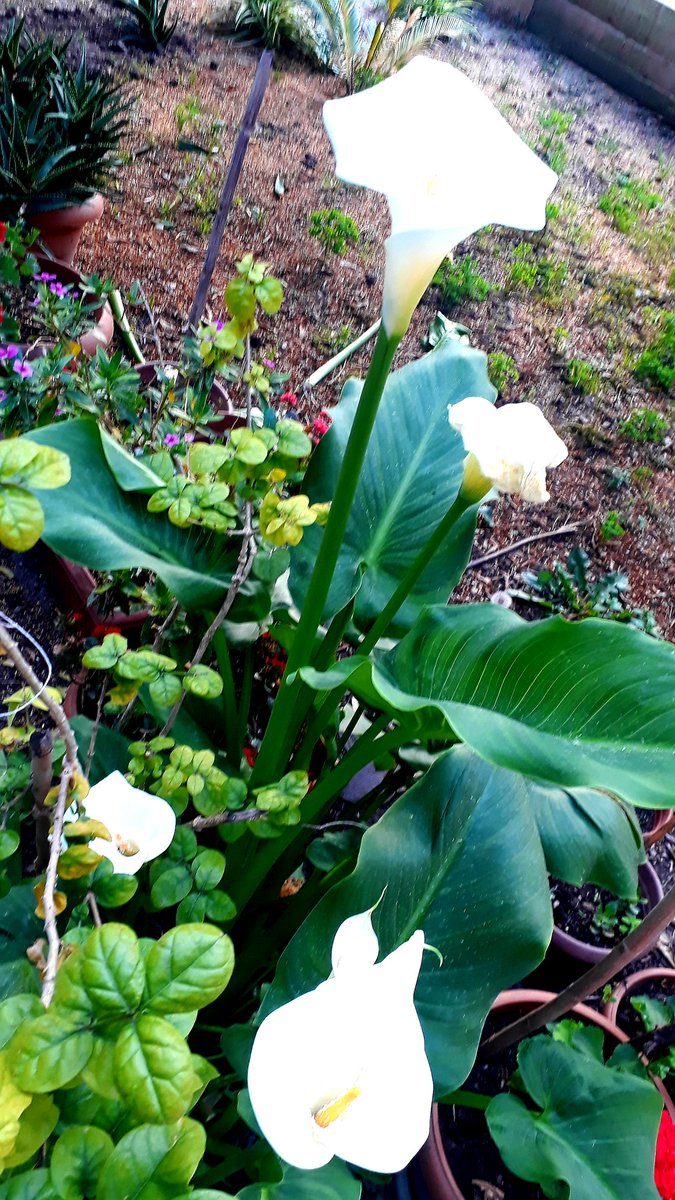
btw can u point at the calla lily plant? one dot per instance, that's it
(315, 722)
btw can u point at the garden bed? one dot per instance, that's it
(156, 227)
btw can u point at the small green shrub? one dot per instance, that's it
(626, 200)
(644, 425)
(656, 364)
(555, 126)
(459, 281)
(611, 526)
(502, 370)
(334, 229)
(583, 376)
(268, 21)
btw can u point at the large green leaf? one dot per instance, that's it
(98, 524)
(588, 837)
(112, 971)
(78, 1158)
(48, 1052)
(460, 858)
(187, 968)
(111, 749)
(596, 1133)
(332, 1182)
(410, 478)
(580, 704)
(153, 1162)
(153, 1071)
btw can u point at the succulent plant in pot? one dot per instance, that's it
(59, 131)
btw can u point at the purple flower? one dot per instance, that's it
(189, 437)
(58, 289)
(58, 411)
(36, 301)
(3, 396)
(218, 325)
(22, 369)
(269, 363)
(9, 351)
(171, 439)
(75, 294)
(44, 277)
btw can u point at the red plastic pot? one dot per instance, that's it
(663, 820)
(75, 584)
(633, 985)
(651, 888)
(61, 228)
(433, 1164)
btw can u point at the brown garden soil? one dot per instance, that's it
(155, 229)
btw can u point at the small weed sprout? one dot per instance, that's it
(626, 200)
(459, 281)
(546, 276)
(187, 112)
(583, 376)
(644, 425)
(502, 370)
(656, 365)
(334, 230)
(611, 527)
(555, 126)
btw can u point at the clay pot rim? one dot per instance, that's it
(64, 205)
(663, 822)
(629, 985)
(584, 951)
(433, 1162)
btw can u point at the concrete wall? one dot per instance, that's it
(630, 43)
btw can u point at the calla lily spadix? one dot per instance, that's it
(141, 825)
(342, 1070)
(448, 163)
(509, 448)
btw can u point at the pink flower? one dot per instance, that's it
(664, 1171)
(289, 398)
(22, 369)
(320, 426)
(189, 437)
(44, 277)
(3, 396)
(171, 439)
(9, 351)
(269, 363)
(35, 302)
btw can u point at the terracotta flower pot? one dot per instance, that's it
(61, 228)
(663, 820)
(103, 325)
(633, 985)
(650, 886)
(435, 1170)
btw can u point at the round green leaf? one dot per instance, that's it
(48, 1052)
(153, 1161)
(293, 441)
(78, 1159)
(208, 869)
(14, 1011)
(47, 468)
(32, 1185)
(203, 682)
(192, 908)
(112, 890)
(184, 844)
(270, 294)
(166, 690)
(98, 1073)
(21, 517)
(171, 887)
(188, 968)
(36, 1124)
(219, 906)
(9, 840)
(112, 968)
(240, 299)
(107, 654)
(153, 1071)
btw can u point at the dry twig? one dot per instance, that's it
(535, 537)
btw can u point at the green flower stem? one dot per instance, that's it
(326, 701)
(413, 574)
(373, 744)
(229, 697)
(283, 725)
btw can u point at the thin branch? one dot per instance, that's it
(68, 769)
(535, 537)
(95, 727)
(225, 818)
(153, 324)
(633, 946)
(242, 571)
(41, 780)
(159, 637)
(93, 909)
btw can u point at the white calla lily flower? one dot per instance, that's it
(141, 825)
(509, 447)
(448, 163)
(342, 1069)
